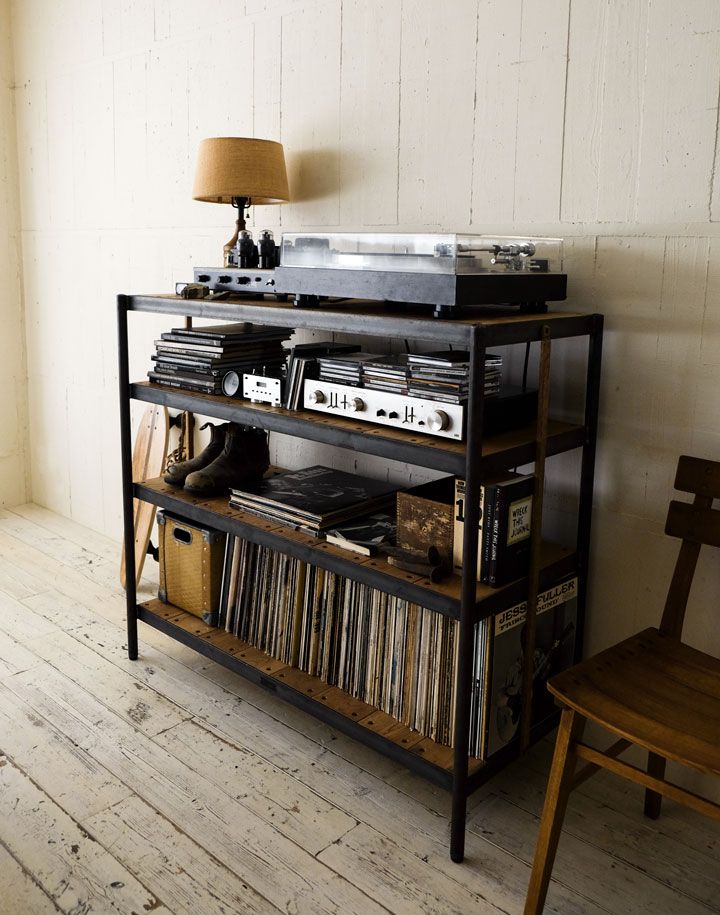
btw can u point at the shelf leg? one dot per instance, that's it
(127, 480)
(467, 595)
(535, 538)
(587, 474)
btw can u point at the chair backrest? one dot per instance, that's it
(695, 523)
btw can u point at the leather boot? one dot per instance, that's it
(244, 458)
(176, 474)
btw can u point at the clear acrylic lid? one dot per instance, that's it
(421, 253)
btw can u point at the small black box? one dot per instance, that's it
(512, 408)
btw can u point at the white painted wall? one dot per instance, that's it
(13, 397)
(589, 119)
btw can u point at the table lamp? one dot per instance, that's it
(240, 171)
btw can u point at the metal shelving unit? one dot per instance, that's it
(463, 599)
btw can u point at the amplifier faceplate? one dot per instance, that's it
(400, 411)
(253, 281)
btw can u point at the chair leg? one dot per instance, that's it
(653, 800)
(556, 798)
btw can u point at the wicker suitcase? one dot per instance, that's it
(191, 565)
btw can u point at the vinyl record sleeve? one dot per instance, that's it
(556, 623)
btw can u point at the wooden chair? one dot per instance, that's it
(650, 690)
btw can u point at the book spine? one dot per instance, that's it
(487, 637)
(499, 534)
(459, 528)
(162, 349)
(488, 529)
(181, 383)
(513, 544)
(225, 581)
(180, 372)
(182, 338)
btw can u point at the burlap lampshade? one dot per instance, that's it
(231, 167)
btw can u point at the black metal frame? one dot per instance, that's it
(127, 480)
(468, 588)
(587, 474)
(477, 336)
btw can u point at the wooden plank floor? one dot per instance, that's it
(171, 785)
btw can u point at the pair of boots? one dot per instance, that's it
(234, 456)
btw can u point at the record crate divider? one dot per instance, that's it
(460, 598)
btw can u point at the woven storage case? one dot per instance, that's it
(191, 564)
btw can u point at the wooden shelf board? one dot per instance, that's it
(501, 324)
(327, 702)
(509, 449)
(443, 597)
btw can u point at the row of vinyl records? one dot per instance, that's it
(389, 652)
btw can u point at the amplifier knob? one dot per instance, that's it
(438, 420)
(357, 404)
(316, 397)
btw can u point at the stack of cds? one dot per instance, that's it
(302, 364)
(445, 375)
(387, 373)
(196, 359)
(345, 369)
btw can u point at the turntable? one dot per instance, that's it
(447, 271)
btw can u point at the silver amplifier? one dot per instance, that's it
(416, 414)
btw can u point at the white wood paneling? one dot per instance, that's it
(370, 113)
(497, 87)
(310, 46)
(266, 79)
(541, 98)
(168, 135)
(679, 111)
(126, 24)
(14, 409)
(221, 87)
(130, 76)
(437, 70)
(59, 151)
(185, 18)
(93, 140)
(603, 110)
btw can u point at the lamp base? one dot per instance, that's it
(241, 204)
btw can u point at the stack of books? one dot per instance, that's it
(506, 501)
(445, 375)
(345, 369)
(196, 359)
(315, 499)
(387, 373)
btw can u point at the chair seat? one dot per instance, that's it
(654, 691)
